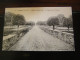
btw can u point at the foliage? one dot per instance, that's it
(30, 23)
(41, 22)
(53, 21)
(61, 18)
(8, 18)
(68, 22)
(14, 19)
(18, 20)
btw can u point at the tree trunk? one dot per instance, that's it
(68, 28)
(53, 27)
(18, 25)
(18, 30)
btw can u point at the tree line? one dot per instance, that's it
(59, 20)
(15, 19)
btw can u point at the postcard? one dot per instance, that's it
(38, 29)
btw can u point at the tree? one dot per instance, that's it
(30, 23)
(8, 18)
(52, 21)
(41, 22)
(61, 18)
(68, 22)
(19, 20)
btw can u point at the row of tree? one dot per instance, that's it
(59, 20)
(15, 19)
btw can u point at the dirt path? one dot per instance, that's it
(38, 40)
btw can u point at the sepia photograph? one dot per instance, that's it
(38, 29)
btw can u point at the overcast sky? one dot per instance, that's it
(40, 13)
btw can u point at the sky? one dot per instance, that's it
(40, 13)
